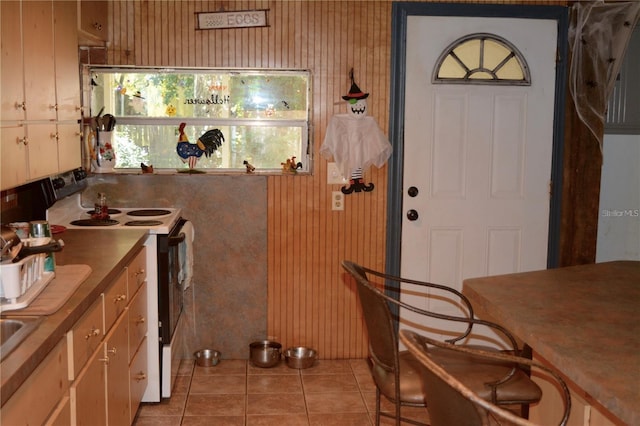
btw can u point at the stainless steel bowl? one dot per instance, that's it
(207, 357)
(300, 357)
(265, 353)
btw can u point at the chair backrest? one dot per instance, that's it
(452, 403)
(383, 340)
(361, 273)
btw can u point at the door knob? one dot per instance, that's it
(412, 191)
(412, 215)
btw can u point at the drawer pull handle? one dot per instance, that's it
(120, 298)
(105, 360)
(21, 105)
(92, 333)
(140, 272)
(140, 320)
(140, 377)
(112, 351)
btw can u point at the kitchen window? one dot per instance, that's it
(263, 117)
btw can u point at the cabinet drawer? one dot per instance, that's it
(139, 377)
(39, 395)
(137, 271)
(85, 337)
(138, 320)
(115, 301)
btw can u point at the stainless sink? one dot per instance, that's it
(13, 330)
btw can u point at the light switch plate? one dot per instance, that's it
(333, 175)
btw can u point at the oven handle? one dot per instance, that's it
(174, 241)
(175, 237)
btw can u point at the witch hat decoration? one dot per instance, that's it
(354, 91)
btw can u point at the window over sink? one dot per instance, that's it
(263, 116)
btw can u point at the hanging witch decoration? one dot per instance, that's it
(355, 141)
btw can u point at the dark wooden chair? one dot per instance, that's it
(451, 402)
(398, 375)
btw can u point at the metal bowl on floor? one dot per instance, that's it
(207, 357)
(300, 357)
(265, 353)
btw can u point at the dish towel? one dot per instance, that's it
(185, 255)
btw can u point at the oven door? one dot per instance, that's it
(170, 305)
(170, 288)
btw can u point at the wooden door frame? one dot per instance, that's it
(400, 12)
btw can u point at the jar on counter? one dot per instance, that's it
(101, 209)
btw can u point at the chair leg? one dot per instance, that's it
(377, 406)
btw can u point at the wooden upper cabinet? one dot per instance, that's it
(38, 48)
(11, 71)
(67, 71)
(94, 17)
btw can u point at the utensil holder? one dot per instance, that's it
(103, 155)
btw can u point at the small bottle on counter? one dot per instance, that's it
(101, 210)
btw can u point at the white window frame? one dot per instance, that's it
(304, 124)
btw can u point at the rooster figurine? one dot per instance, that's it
(206, 144)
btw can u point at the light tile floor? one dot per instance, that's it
(331, 393)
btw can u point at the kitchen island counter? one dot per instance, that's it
(583, 320)
(107, 253)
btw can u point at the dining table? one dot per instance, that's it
(583, 320)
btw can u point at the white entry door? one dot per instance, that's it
(477, 160)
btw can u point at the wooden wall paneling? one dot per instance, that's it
(309, 301)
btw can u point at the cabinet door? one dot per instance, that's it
(117, 343)
(39, 80)
(67, 71)
(14, 155)
(42, 150)
(69, 151)
(39, 395)
(88, 393)
(93, 19)
(11, 70)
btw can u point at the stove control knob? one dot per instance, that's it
(58, 183)
(79, 174)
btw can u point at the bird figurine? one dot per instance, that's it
(291, 166)
(206, 144)
(145, 168)
(249, 166)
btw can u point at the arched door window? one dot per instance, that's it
(482, 59)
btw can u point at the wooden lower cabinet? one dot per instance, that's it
(109, 388)
(39, 395)
(88, 393)
(117, 355)
(97, 374)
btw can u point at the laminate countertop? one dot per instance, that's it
(107, 252)
(584, 320)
